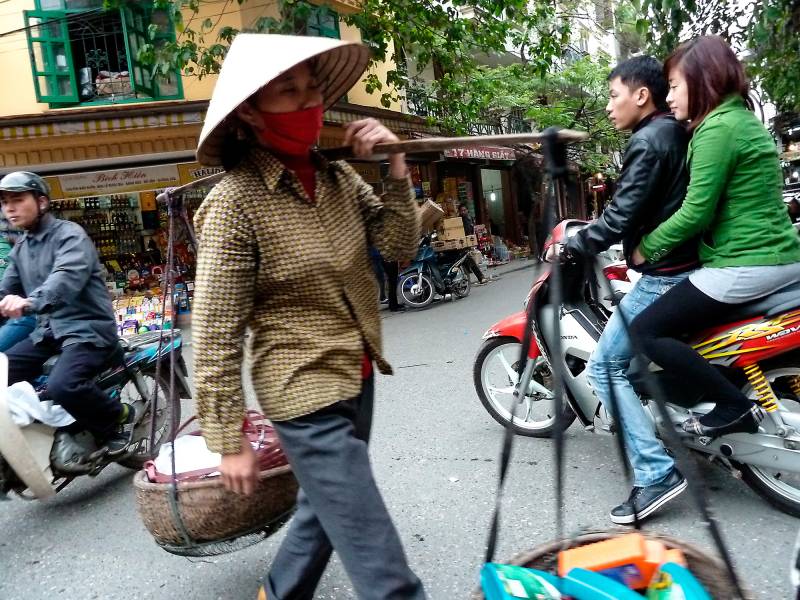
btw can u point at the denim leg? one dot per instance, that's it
(609, 366)
(14, 331)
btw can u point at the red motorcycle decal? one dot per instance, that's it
(743, 344)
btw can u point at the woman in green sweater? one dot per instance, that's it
(748, 247)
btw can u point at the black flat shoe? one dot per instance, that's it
(744, 423)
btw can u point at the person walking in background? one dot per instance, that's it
(380, 274)
(392, 270)
(469, 229)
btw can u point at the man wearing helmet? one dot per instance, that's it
(54, 272)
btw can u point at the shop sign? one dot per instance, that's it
(118, 181)
(482, 152)
(188, 172)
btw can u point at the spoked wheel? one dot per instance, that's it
(495, 375)
(415, 290)
(461, 283)
(779, 487)
(168, 411)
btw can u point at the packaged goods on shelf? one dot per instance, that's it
(141, 313)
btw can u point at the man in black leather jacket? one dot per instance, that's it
(650, 189)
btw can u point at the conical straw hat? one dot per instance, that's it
(255, 59)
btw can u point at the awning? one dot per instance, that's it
(120, 181)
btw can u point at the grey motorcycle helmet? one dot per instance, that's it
(24, 181)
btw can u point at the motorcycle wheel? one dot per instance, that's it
(415, 298)
(778, 487)
(168, 414)
(461, 285)
(494, 375)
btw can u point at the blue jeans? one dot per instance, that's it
(14, 331)
(609, 364)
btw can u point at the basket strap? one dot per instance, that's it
(555, 163)
(175, 207)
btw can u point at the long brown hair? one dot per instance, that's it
(712, 72)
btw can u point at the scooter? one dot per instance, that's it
(432, 273)
(34, 466)
(759, 349)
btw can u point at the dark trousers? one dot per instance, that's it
(473, 266)
(339, 508)
(71, 382)
(685, 309)
(377, 267)
(392, 270)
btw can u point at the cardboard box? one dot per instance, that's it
(430, 214)
(451, 229)
(466, 241)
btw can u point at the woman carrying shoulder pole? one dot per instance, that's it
(284, 253)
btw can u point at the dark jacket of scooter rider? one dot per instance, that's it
(650, 188)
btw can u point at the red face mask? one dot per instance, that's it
(292, 133)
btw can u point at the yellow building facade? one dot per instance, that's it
(75, 99)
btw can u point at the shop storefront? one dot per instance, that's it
(481, 179)
(118, 210)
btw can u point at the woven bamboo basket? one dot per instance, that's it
(209, 512)
(707, 569)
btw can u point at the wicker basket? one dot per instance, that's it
(210, 513)
(708, 570)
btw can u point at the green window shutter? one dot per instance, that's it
(146, 31)
(323, 22)
(135, 22)
(54, 75)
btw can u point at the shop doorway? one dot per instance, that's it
(492, 184)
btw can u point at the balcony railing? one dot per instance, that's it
(421, 104)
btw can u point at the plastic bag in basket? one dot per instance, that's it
(194, 461)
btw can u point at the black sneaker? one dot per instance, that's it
(119, 441)
(649, 499)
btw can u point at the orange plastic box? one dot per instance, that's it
(631, 559)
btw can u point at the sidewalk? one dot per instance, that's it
(511, 267)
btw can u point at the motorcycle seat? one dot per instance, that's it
(770, 306)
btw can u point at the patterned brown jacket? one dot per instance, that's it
(296, 273)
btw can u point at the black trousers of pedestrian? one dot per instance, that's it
(473, 266)
(71, 382)
(339, 508)
(685, 309)
(392, 270)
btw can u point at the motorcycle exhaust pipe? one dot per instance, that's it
(726, 450)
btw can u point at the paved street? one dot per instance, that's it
(435, 453)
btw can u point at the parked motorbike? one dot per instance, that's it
(32, 465)
(759, 349)
(432, 273)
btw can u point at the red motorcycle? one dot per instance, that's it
(759, 349)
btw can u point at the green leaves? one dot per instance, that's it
(770, 29)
